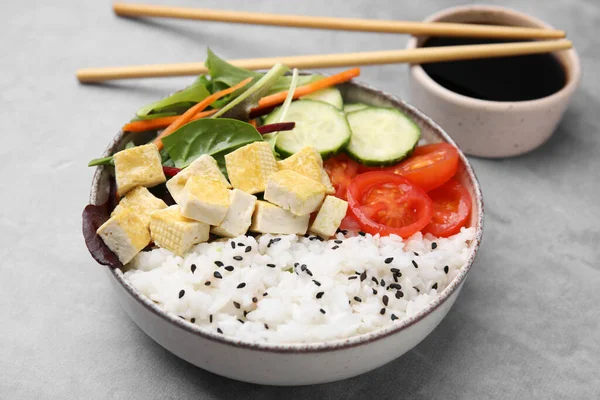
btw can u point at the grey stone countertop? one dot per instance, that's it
(526, 325)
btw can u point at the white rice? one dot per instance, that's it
(285, 304)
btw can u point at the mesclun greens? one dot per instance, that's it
(175, 103)
(215, 137)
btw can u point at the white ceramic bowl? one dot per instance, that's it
(492, 128)
(295, 364)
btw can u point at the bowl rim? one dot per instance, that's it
(330, 345)
(431, 85)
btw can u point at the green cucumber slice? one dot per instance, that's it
(381, 136)
(348, 108)
(318, 124)
(328, 95)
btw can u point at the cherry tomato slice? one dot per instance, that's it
(341, 169)
(451, 209)
(386, 203)
(429, 166)
(350, 223)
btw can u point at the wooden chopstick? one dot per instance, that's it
(345, 24)
(414, 56)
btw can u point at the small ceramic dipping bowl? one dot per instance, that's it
(486, 128)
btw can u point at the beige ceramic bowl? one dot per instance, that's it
(492, 128)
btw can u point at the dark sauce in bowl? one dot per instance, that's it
(516, 78)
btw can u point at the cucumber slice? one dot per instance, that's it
(318, 124)
(328, 95)
(381, 136)
(348, 108)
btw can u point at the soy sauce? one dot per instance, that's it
(515, 78)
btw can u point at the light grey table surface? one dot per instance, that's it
(525, 326)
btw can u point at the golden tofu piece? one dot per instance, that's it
(269, 218)
(329, 217)
(204, 200)
(125, 234)
(141, 202)
(204, 166)
(138, 166)
(250, 166)
(294, 192)
(176, 233)
(239, 215)
(309, 163)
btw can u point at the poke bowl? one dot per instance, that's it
(280, 328)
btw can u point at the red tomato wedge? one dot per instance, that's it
(429, 166)
(451, 209)
(341, 169)
(386, 203)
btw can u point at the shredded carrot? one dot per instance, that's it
(278, 98)
(252, 122)
(189, 114)
(160, 123)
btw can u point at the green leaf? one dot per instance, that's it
(101, 161)
(177, 102)
(223, 72)
(240, 107)
(208, 136)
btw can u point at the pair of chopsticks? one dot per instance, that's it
(416, 56)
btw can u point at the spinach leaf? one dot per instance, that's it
(208, 136)
(223, 72)
(177, 102)
(102, 161)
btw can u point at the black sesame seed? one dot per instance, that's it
(317, 283)
(415, 264)
(335, 247)
(382, 283)
(357, 273)
(434, 286)
(338, 241)
(385, 300)
(266, 326)
(229, 268)
(245, 313)
(219, 329)
(248, 249)
(309, 272)
(193, 268)
(382, 311)
(393, 317)
(388, 260)
(296, 264)
(306, 235)
(352, 277)
(344, 232)
(303, 267)
(241, 285)
(417, 289)
(357, 299)
(446, 269)
(363, 276)
(181, 293)
(207, 283)
(254, 300)
(374, 291)
(361, 233)
(396, 286)
(219, 263)
(193, 320)
(271, 265)
(338, 230)
(275, 240)
(241, 322)
(395, 278)
(180, 316)
(375, 280)
(236, 305)
(265, 294)
(320, 294)
(210, 318)
(399, 294)
(233, 245)
(313, 238)
(238, 258)
(322, 311)
(241, 244)
(415, 253)
(394, 270)
(217, 275)
(433, 246)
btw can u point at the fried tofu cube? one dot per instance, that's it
(250, 166)
(204, 200)
(239, 215)
(329, 217)
(125, 234)
(204, 166)
(141, 202)
(294, 192)
(308, 162)
(176, 233)
(138, 166)
(269, 218)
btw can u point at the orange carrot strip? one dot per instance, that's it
(189, 114)
(160, 123)
(278, 98)
(252, 122)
